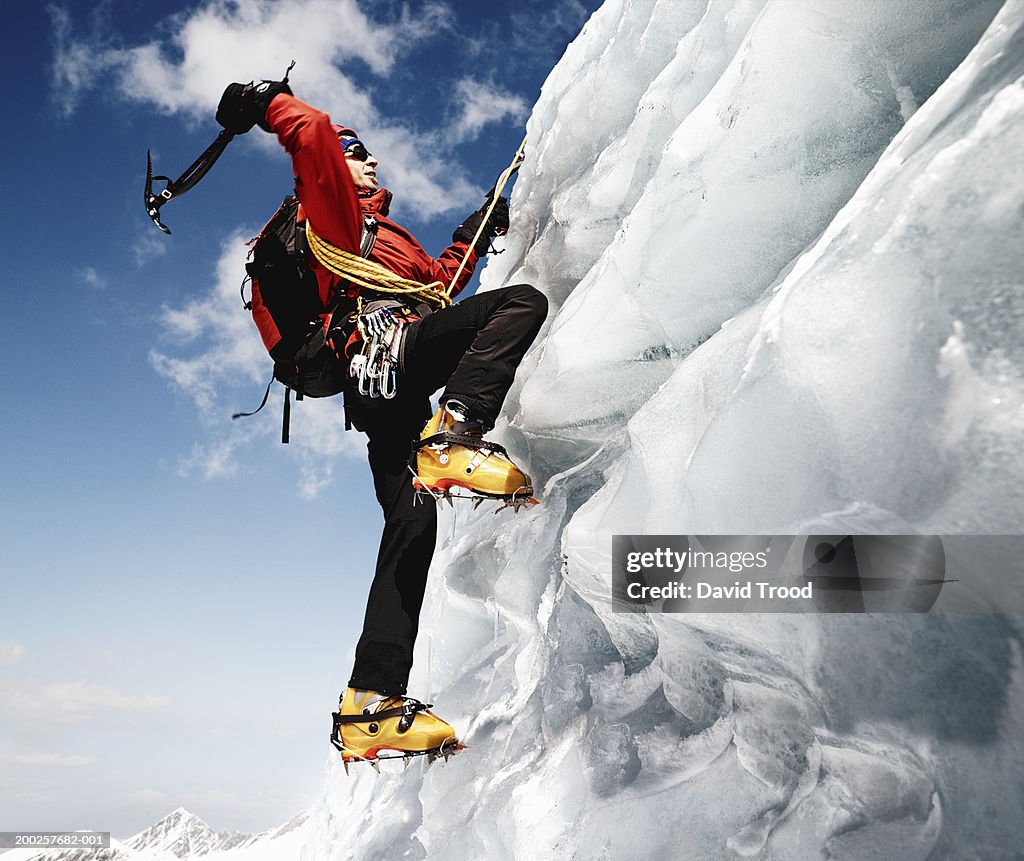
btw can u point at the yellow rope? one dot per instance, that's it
(375, 277)
(372, 275)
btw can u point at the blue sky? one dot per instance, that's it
(181, 594)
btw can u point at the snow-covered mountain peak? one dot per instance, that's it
(184, 835)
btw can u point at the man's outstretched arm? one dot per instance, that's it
(323, 182)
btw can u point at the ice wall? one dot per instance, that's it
(783, 247)
(740, 150)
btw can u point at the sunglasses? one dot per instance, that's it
(356, 150)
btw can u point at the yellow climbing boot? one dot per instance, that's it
(370, 727)
(452, 454)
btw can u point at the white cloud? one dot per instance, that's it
(480, 104)
(10, 653)
(15, 756)
(216, 459)
(225, 359)
(214, 357)
(322, 441)
(233, 350)
(148, 245)
(90, 276)
(220, 42)
(75, 63)
(68, 702)
(39, 758)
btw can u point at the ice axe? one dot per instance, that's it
(195, 172)
(175, 188)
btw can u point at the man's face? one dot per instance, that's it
(362, 166)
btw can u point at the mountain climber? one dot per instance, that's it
(471, 348)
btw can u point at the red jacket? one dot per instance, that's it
(332, 204)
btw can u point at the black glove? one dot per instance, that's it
(245, 105)
(497, 225)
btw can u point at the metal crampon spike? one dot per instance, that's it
(376, 765)
(518, 500)
(423, 489)
(344, 762)
(476, 502)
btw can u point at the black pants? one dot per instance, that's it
(472, 349)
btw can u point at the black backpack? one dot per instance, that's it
(286, 285)
(305, 359)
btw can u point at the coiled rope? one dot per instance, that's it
(372, 276)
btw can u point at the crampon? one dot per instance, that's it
(448, 464)
(400, 728)
(448, 492)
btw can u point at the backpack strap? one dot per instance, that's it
(286, 418)
(263, 403)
